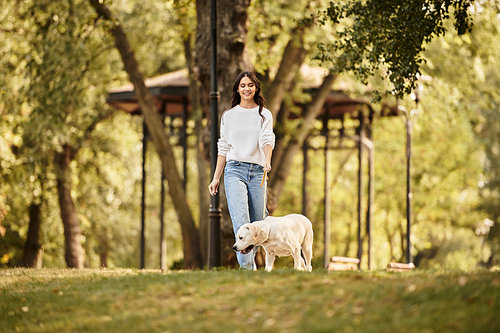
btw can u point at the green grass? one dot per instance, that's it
(129, 300)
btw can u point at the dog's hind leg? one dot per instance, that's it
(298, 262)
(307, 249)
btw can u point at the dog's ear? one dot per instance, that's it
(261, 237)
(258, 234)
(254, 230)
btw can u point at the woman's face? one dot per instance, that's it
(246, 89)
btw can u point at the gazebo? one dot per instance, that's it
(171, 95)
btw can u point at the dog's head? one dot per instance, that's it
(247, 237)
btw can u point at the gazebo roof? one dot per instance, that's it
(170, 92)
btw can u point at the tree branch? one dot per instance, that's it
(191, 249)
(277, 179)
(293, 57)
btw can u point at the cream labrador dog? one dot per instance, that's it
(279, 236)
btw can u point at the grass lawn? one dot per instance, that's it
(129, 300)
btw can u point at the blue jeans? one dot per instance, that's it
(246, 200)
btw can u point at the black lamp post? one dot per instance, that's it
(416, 95)
(214, 213)
(409, 195)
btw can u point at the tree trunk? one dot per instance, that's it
(202, 163)
(402, 239)
(280, 132)
(103, 258)
(293, 57)
(103, 246)
(232, 58)
(32, 251)
(277, 178)
(232, 55)
(72, 233)
(191, 246)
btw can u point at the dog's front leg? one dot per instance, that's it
(269, 261)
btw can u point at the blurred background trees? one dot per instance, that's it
(68, 161)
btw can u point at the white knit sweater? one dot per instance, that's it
(243, 134)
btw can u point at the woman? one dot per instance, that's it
(245, 148)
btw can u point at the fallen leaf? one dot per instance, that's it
(269, 322)
(105, 318)
(462, 281)
(330, 313)
(357, 310)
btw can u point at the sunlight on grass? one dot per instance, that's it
(130, 300)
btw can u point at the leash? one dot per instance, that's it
(264, 177)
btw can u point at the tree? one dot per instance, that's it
(192, 253)
(388, 36)
(61, 111)
(186, 19)
(292, 43)
(233, 58)
(53, 119)
(471, 80)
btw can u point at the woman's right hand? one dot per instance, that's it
(213, 187)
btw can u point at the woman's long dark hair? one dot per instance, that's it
(258, 98)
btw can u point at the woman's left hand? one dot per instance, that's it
(268, 152)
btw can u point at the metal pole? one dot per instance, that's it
(326, 254)
(184, 142)
(305, 168)
(143, 201)
(163, 241)
(371, 189)
(409, 195)
(215, 213)
(360, 185)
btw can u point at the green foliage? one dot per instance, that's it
(59, 64)
(62, 77)
(388, 36)
(156, 30)
(107, 174)
(227, 301)
(269, 33)
(451, 143)
(272, 24)
(446, 164)
(470, 88)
